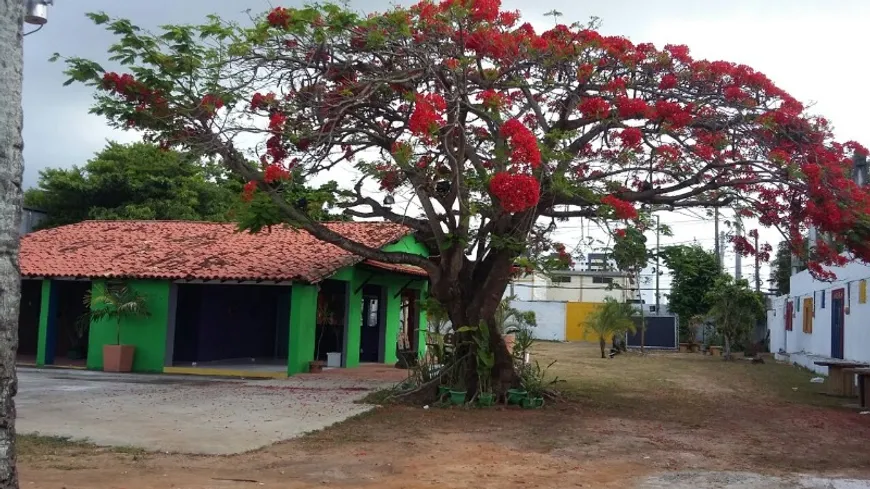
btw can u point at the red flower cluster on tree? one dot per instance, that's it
(524, 144)
(260, 101)
(595, 108)
(428, 114)
(631, 137)
(516, 192)
(621, 208)
(211, 103)
(279, 17)
(619, 233)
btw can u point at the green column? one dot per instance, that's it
(354, 321)
(303, 319)
(147, 334)
(424, 322)
(392, 320)
(46, 311)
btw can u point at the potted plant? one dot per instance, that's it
(116, 302)
(485, 362)
(535, 382)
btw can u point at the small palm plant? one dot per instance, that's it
(116, 302)
(610, 319)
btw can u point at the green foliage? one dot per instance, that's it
(535, 379)
(630, 252)
(115, 302)
(136, 181)
(611, 318)
(693, 271)
(782, 268)
(484, 356)
(735, 309)
(261, 211)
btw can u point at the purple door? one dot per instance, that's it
(837, 321)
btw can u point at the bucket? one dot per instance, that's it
(333, 359)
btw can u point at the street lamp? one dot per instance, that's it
(37, 11)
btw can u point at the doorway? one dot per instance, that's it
(28, 320)
(231, 325)
(838, 320)
(409, 329)
(68, 325)
(373, 322)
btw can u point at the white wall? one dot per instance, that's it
(531, 287)
(857, 320)
(550, 316)
(581, 288)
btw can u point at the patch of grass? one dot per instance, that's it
(40, 446)
(379, 397)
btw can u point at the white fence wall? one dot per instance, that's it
(550, 316)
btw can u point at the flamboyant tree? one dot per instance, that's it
(492, 129)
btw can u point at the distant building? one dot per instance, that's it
(575, 286)
(30, 220)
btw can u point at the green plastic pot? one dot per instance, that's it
(516, 396)
(533, 402)
(486, 399)
(442, 391)
(457, 397)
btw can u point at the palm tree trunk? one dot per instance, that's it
(603, 345)
(11, 168)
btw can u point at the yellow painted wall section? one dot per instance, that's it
(576, 314)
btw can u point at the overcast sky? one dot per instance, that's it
(814, 49)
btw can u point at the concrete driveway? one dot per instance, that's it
(182, 413)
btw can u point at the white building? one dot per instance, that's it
(575, 286)
(823, 319)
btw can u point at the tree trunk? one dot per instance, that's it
(11, 168)
(727, 355)
(602, 344)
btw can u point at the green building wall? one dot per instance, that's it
(147, 334)
(303, 319)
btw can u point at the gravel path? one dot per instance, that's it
(182, 414)
(735, 480)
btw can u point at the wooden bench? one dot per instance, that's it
(863, 375)
(841, 383)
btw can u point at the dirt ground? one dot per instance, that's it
(623, 419)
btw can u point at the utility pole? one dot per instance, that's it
(658, 272)
(738, 261)
(757, 266)
(721, 256)
(716, 236)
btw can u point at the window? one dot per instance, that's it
(808, 316)
(862, 292)
(561, 279)
(824, 293)
(602, 280)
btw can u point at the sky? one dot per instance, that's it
(810, 48)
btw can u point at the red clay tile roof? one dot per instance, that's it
(179, 250)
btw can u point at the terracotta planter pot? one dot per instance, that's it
(684, 348)
(716, 351)
(695, 348)
(509, 341)
(316, 366)
(118, 358)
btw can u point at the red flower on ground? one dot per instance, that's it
(515, 192)
(622, 209)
